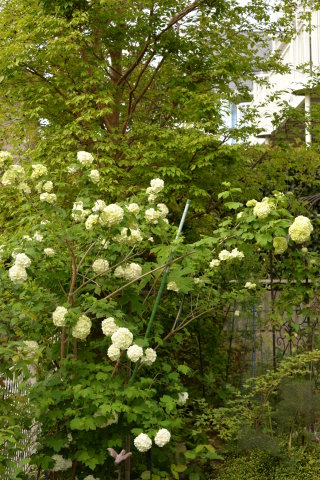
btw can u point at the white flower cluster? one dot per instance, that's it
(61, 463)
(226, 256)
(162, 437)
(111, 215)
(91, 221)
(129, 272)
(38, 171)
(149, 356)
(38, 237)
(301, 229)
(94, 176)
(173, 286)
(50, 198)
(99, 206)
(122, 339)
(48, 186)
(82, 328)
(262, 209)
(135, 353)
(49, 252)
(133, 208)
(250, 286)
(251, 203)
(152, 216)
(183, 397)
(143, 442)
(12, 175)
(156, 186)
(109, 326)
(58, 316)
(85, 158)
(100, 266)
(24, 188)
(78, 214)
(29, 348)
(132, 239)
(4, 156)
(17, 272)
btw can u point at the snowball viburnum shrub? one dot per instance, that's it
(111, 215)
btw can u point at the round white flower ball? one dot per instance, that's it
(122, 338)
(114, 353)
(134, 353)
(48, 186)
(262, 209)
(183, 397)
(82, 328)
(152, 216)
(132, 271)
(149, 357)
(111, 215)
(38, 170)
(109, 326)
(251, 203)
(163, 210)
(85, 158)
(91, 221)
(100, 266)
(94, 176)
(49, 252)
(119, 272)
(157, 185)
(18, 274)
(58, 316)
(142, 442)
(48, 197)
(133, 208)
(22, 260)
(99, 206)
(162, 437)
(301, 229)
(224, 255)
(214, 263)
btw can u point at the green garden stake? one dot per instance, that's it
(162, 285)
